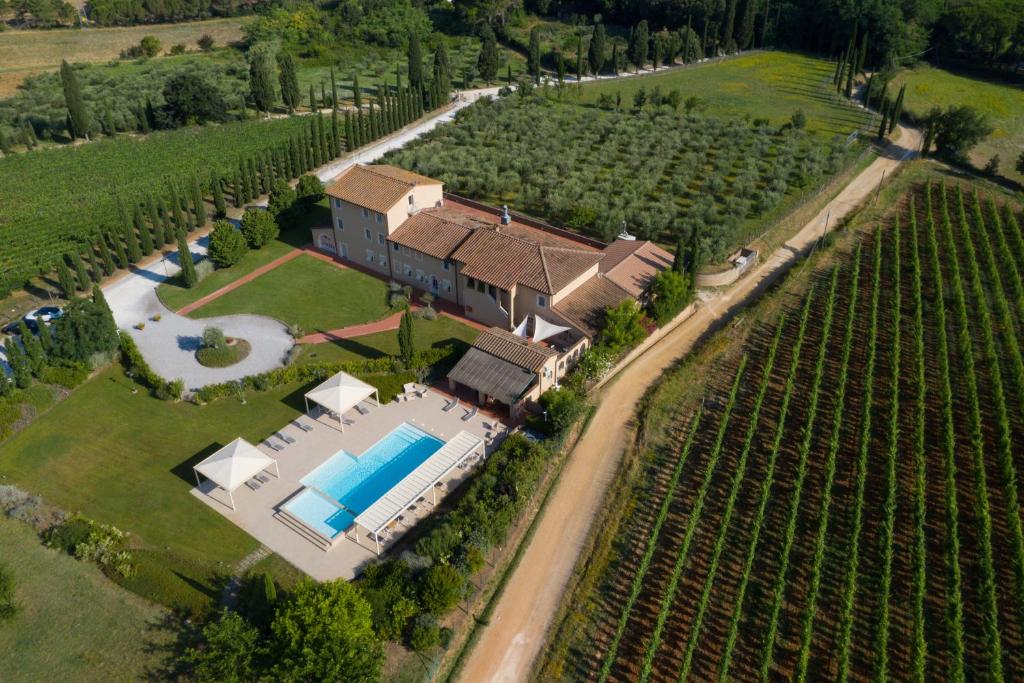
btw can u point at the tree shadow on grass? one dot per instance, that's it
(184, 471)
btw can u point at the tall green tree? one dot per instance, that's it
(144, 237)
(131, 241)
(639, 48)
(728, 37)
(487, 62)
(188, 268)
(357, 93)
(81, 273)
(106, 258)
(65, 278)
(34, 352)
(198, 206)
(18, 361)
(261, 81)
(230, 648)
(217, 190)
(443, 66)
(414, 55)
(745, 31)
(596, 51)
(120, 254)
(406, 343)
(78, 114)
(288, 80)
(533, 54)
(334, 90)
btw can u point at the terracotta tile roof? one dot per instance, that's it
(504, 261)
(632, 263)
(514, 349)
(585, 306)
(428, 233)
(503, 381)
(377, 187)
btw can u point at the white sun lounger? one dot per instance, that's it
(363, 410)
(454, 403)
(470, 414)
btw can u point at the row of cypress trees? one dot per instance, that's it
(161, 219)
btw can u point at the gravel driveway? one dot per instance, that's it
(169, 345)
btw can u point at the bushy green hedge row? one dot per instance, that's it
(140, 371)
(372, 370)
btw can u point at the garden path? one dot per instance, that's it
(525, 611)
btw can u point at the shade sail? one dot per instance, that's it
(233, 465)
(341, 393)
(542, 329)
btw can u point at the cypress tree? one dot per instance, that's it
(144, 241)
(639, 49)
(728, 26)
(487, 61)
(65, 278)
(679, 259)
(131, 240)
(261, 82)
(323, 95)
(508, 74)
(884, 126)
(406, 342)
(295, 157)
(533, 55)
(598, 46)
(166, 222)
(334, 90)
(415, 59)
(704, 41)
(198, 206)
(862, 52)
(95, 272)
(106, 258)
(325, 139)
(254, 185)
(188, 268)
(839, 69)
(357, 93)
(849, 78)
(217, 190)
(272, 174)
(349, 132)
(314, 142)
(312, 98)
(78, 114)
(264, 169)
(34, 351)
(443, 66)
(615, 61)
(179, 219)
(120, 255)
(18, 361)
(154, 221)
(745, 33)
(579, 58)
(237, 190)
(289, 81)
(897, 109)
(243, 112)
(335, 133)
(867, 90)
(81, 274)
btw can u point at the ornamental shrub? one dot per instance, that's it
(258, 227)
(441, 587)
(227, 245)
(8, 605)
(309, 189)
(424, 634)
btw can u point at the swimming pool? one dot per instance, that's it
(358, 481)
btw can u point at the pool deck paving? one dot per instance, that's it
(255, 511)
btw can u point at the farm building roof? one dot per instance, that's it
(586, 305)
(514, 349)
(631, 264)
(495, 377)
(378, 187)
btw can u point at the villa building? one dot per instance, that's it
(541, 289)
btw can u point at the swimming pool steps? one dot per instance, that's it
(303, 529)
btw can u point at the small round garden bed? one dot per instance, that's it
(233, 351)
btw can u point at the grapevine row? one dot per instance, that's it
(691, 525)
(919, 646)
(881, 644)
(766, 485)
(849, 596)
(730, 504)
(652, 544)
(807, 623)
(990, 618)
(778, 591)
(954, 596)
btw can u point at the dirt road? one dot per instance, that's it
(512, 640)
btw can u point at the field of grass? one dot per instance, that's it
(308, 292)
(175, 295)
(51, 199)
(442, 331)
(74, 623)
(769, 85)
(24, 53)
(842, 502)
(125, 459)
(1002, 102)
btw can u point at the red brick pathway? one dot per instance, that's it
(216, 294)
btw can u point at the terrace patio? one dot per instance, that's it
(258, 512)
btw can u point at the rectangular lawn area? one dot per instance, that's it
(769, 85)
(442, 331)
(125, 459)
(308, 292)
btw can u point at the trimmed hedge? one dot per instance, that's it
(140, 371)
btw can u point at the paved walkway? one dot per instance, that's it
(519, 624)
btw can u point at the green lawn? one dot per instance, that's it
(175, 295)
(125, 459)
(1002, 102)
(74, 625)
(426, 333)
(765, 85)
(308, 292)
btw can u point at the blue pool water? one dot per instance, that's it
(358, 481)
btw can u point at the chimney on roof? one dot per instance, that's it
(505, 217)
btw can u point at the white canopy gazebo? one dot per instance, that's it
(233, 465)
(341, 393)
